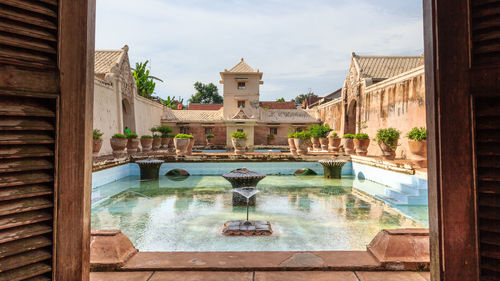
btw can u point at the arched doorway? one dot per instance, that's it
(350, 120)
(128, 115)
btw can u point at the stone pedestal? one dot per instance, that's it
(402, 249)
(247, 228)
(332, 168)
(150, 168)
(109, 249)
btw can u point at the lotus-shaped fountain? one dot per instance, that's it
(333, 167)
(150, 168)
(243, 178)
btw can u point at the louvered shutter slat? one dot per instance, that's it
(28, 118)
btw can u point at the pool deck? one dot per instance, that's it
(260, 276)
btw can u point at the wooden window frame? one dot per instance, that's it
(451, 175)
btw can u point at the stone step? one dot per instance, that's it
(407, 198)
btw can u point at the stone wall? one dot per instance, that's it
(398, 102)
(147, 115)
(262, 130)
(331, 113)
(198, 132)
(106, 113)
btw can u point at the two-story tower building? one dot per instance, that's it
(241, 100)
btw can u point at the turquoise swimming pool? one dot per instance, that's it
(307, 213)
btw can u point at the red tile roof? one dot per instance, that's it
(278, 105)
(202, 106)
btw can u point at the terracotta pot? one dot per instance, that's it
(387, 152)
(165, 142)
(156, 143)
(132, 146)
(118, 146)
(146, 144)
(419, 150)
(315, 143)
(181, 146)
(291, 144)
(170, 146)
(333, 144)
(189, 150)
(96, 147)
(270, 141)
(324, 143)
(209, 141)
(301, 146)
(239, 145)
(348, 146)
(361, 146)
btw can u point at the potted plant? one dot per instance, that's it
(209, 138)
(333, 142)
(164, 131)
(302, 142)
(118, 144)
(319, 135)
(270, 139)
(315, 135)
(156, 142)
(417, 143)
(132, 143)
(348, 143)
(387, 140)
(189, 149)
(361, 143)
(97, 142)
(181, 142)
(170, 146)
(146, 143)
(156, 138)
(291, 143)
(239, 140)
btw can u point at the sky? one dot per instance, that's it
(299, 45)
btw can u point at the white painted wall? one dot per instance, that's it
(106, 115)
(147, 115)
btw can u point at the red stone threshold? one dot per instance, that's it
(394, 250)
(252, 261)
(260, 276)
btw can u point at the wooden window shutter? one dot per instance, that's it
(28, 125)
(485, 31)
(487, 120)
(485, 89)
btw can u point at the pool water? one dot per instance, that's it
(187, 214)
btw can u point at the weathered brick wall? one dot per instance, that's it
(331, 114)
(400, 105)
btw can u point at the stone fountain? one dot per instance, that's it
(333, 167)
(247, 227)
(243, 178)
(150, 168)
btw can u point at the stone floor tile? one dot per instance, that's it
(426, 275)
(389, 276)
(305, 276)
(120, 276)
(201, 276)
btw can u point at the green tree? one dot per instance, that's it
(302, 97)
(281, 100)
(145, 82)
(206, 93)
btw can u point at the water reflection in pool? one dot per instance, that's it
(307, 213)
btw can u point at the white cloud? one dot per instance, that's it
(297, 44)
